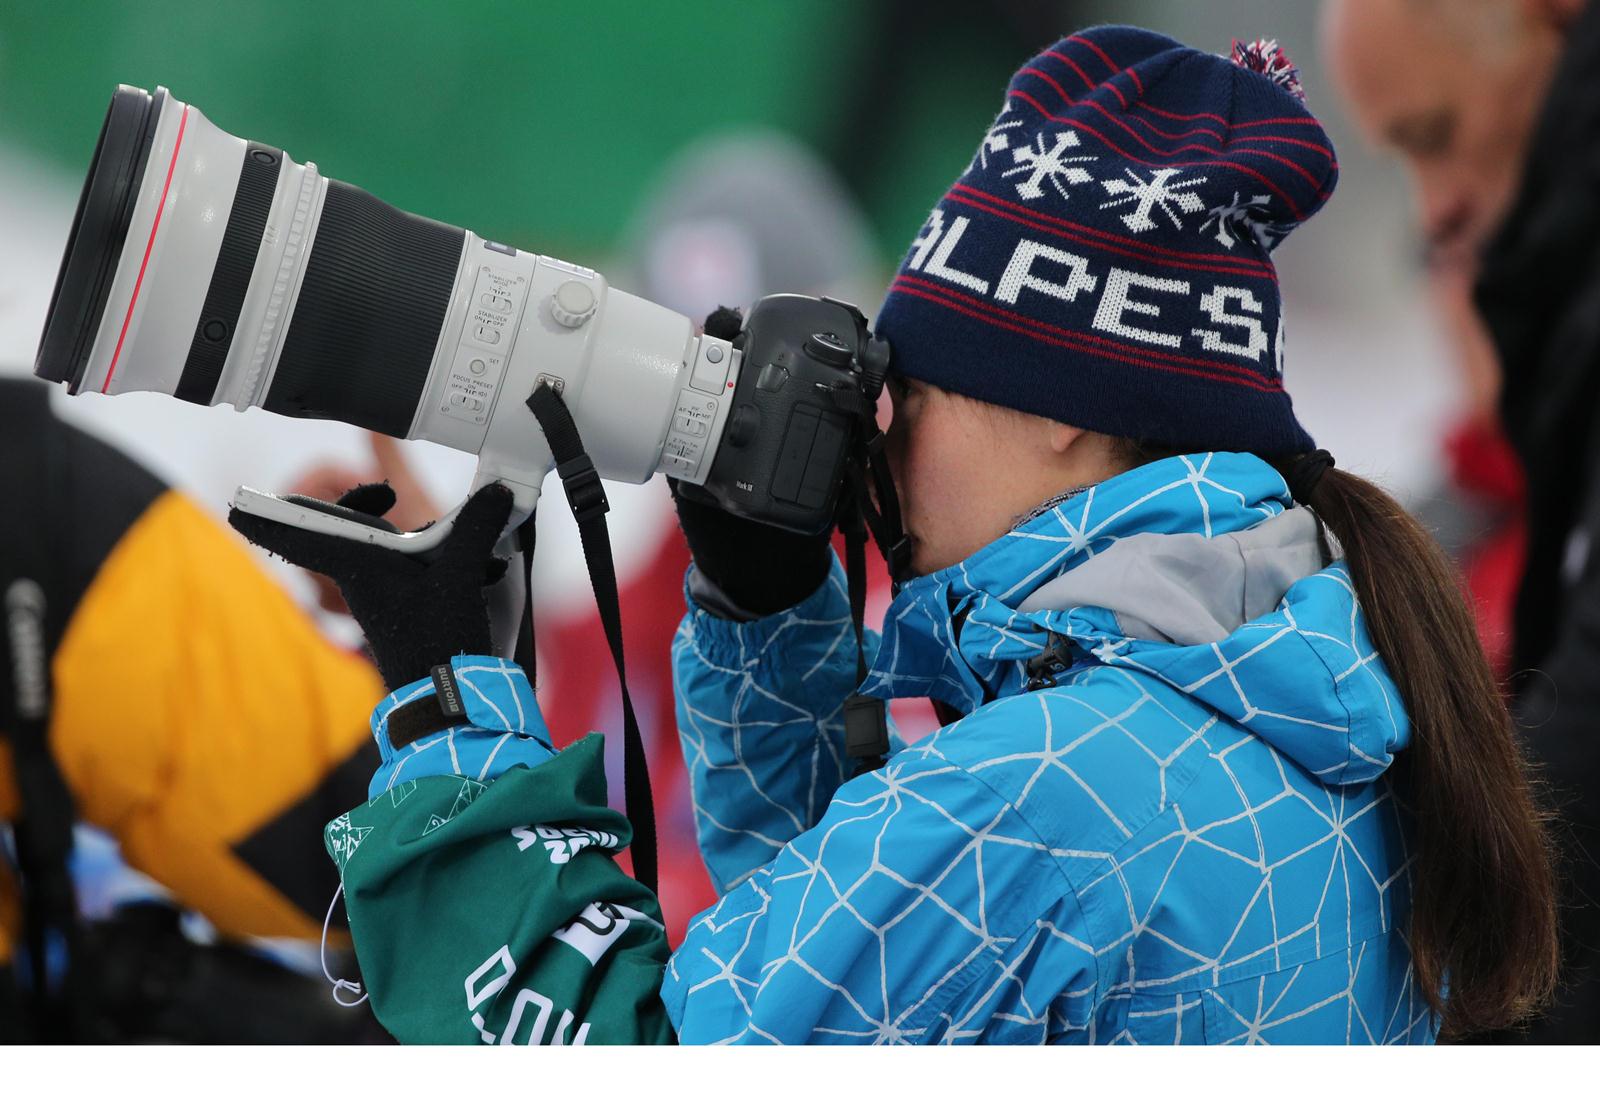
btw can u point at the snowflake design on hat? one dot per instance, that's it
(1237, 219)
(1053, 166)
(995, 140)
(1269, 233)
(1144, 195)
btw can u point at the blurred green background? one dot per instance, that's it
(556, 126)
(536, 123)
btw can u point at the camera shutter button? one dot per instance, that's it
(573, 304)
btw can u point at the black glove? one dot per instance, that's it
(761, 569)
(416, 610)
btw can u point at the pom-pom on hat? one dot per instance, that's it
(1104, 258)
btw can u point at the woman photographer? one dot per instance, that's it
(1200, 779)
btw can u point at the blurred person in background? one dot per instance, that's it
(160, 686)
(1479, 515)
(1494, 107)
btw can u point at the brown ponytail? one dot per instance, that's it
(1483, 931)
(1483, 912)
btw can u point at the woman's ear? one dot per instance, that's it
(1063, 436)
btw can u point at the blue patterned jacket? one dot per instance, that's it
(1190, 837)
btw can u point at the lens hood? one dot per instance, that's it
(99, 229)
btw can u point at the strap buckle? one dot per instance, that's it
(866, 731)
(586, 495)
(1042, 669)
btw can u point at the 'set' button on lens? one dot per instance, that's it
(477, 366)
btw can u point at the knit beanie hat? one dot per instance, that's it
(1103, 260)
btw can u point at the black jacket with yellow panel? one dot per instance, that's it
(195, 713)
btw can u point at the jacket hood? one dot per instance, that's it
(1193, 570)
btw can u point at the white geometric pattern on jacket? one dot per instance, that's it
(1190, 844)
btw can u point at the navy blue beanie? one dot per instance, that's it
(1103, 261)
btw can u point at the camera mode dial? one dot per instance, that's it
(827, 348)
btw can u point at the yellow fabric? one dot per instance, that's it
(193, 703)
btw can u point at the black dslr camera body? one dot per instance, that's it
(811, 369)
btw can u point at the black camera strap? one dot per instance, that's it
(527, 538)
(869, 462)
(866, 720)
(586, 496)
(34, 618)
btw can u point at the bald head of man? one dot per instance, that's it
(1454, 87)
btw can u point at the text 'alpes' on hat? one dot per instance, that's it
(1104, 259)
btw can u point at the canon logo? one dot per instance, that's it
(25, 605)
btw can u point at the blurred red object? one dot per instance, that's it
(577, 690)
(1485, 468)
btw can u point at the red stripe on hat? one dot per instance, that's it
(1091, 84)
(1177, 256)
(1202, 131)
(1122, 124)
(1088, 82)
(1226, 369)
(1143, 123)
(1169, 115)
(1238, 268)
(1094, 46)
(1298, 213)
(1276, 120)
(1316, 184)
(1185, 116)
(1322, 149)
(1074, 344)
(1232, 150)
